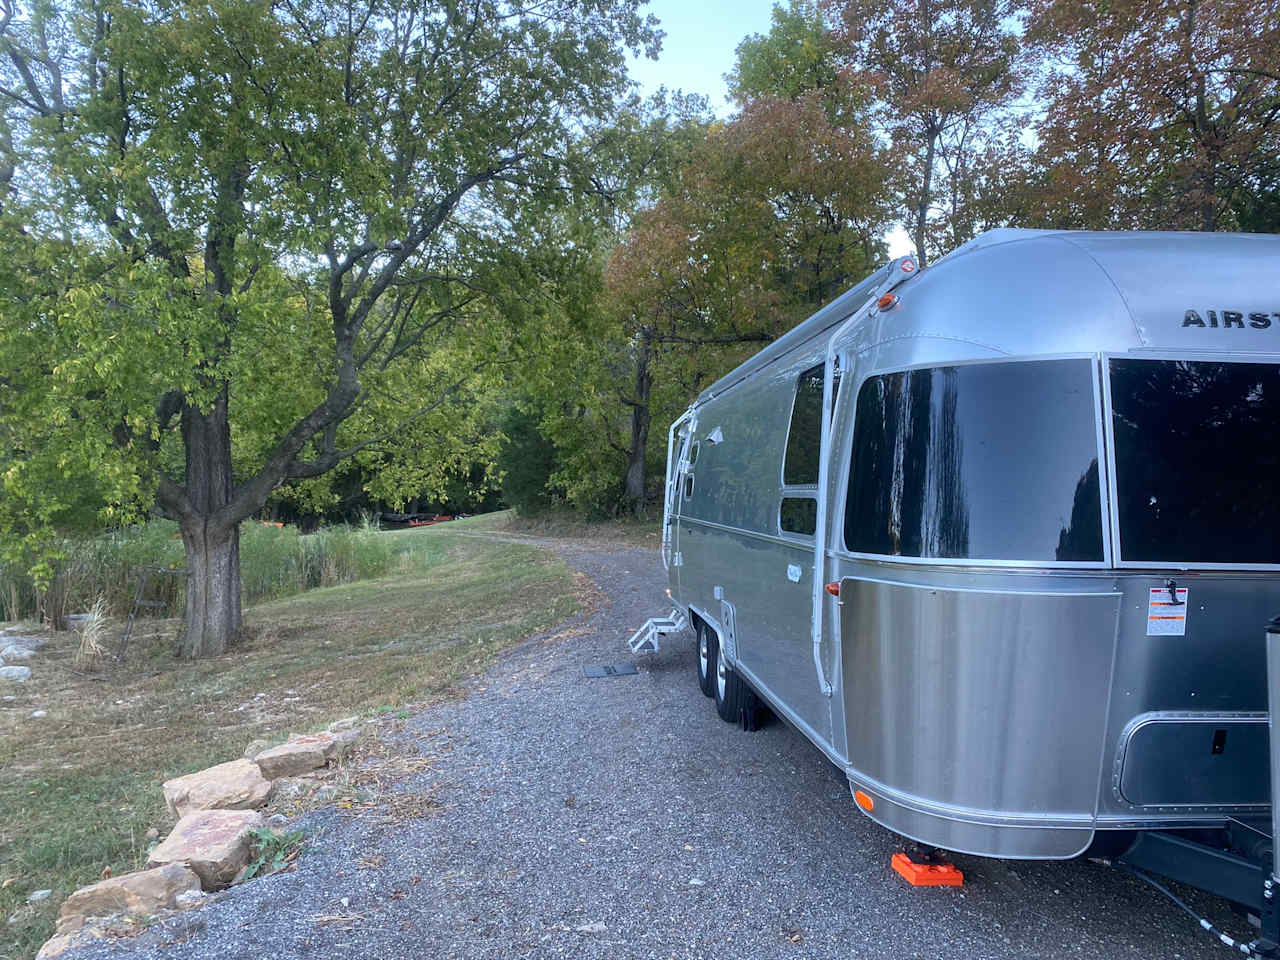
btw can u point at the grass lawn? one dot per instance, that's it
(562, 524)
(80, 787)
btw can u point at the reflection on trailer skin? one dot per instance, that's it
(1000, 536)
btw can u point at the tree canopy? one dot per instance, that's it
(254, 239)
(1159, 115)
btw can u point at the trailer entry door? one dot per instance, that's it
(1197, 459)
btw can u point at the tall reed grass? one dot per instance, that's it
(274, 563)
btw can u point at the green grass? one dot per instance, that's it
(562, 524)
(274, 563)
(82, 785)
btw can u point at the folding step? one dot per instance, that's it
(646, 638)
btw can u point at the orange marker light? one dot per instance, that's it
(887, 301)
(834, 588)
(864, 801)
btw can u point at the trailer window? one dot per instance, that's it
(798, 515)
(804, 438)
(992, 461)
(1196, 460)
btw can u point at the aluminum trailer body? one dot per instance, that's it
(1000, 536)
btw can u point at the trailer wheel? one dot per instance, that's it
(708, 650)
(734, 698)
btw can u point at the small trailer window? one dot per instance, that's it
(798, 515)
(804, 439)
(1197, 460)
(990, 461)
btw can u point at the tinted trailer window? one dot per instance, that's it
(989, 461)
(1197, 450)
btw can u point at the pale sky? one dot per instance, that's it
(698, 51)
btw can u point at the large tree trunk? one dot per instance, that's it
(212, 619)
(634, 489)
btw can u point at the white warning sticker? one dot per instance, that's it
(1167, 612)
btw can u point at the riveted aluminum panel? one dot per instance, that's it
(1187, 759)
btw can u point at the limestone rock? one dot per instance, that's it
(295, 757)
(237, 785)
(81, 933)
(13, 652)
(55, 946)
(139, 894)
(213, 843)
(18, 640)
(16, 674)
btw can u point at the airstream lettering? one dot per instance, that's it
(929, 528)
(1230, 318)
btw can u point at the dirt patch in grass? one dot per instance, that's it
(81, 785)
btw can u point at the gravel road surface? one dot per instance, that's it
(621, 818)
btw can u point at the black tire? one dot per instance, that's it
(734, 699)
(706, 649)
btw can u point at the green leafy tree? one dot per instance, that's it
(584, 349)
(257, 239)
(526, 460)
(798, 55)
(776, 212)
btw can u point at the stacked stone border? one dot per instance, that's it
(209, 847)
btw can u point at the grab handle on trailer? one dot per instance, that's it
(1273, 705)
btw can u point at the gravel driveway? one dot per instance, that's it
(620, 818)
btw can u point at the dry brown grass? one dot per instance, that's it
(93, 650)
(81, 786)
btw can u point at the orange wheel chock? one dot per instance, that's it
(927, 874)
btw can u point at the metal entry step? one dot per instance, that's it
(646, 638)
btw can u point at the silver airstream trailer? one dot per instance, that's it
(1000, 537)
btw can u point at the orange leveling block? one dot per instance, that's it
(927, 874)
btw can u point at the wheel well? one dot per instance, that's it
(696, 619)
